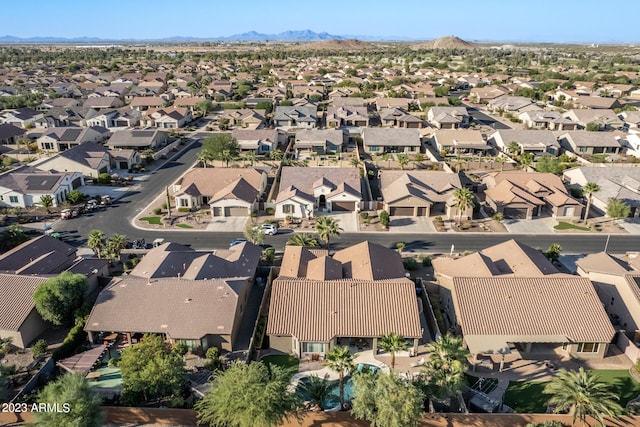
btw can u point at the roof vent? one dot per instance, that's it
(187, 300)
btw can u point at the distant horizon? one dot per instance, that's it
(492, 21)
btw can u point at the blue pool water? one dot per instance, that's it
(334, 398)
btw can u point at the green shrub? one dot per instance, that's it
(75, 338)
(438, 218)
(181, 349)
(410, 264)
(164, 206)
(156, 211)
(212, 353)
(104, 178)
(40, 347)
(184, 209)
(364, 215)
(426, 261)
(270, 211)
(498, 217)
(384, 218)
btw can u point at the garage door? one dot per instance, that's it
(422, 211)
(343, 206)
(515, 213)
(401, 211)
(236, 211)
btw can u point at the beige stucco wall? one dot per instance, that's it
(283, 344)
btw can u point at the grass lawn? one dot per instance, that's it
(568, 226)
(527, 396)
(184, 226)
(155, 220)
(285, 361)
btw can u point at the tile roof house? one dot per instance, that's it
(19, 319)
(261, 141)
(448, 117)
(525, 194)
(510, 298)
(103, 103)
(43, 255)
(397, 117)
(597, 102)
(176, 286)
(551, 120)
(319, 141)
(9, 134)
(119, 118)
(459, 141)
(304, 191)
(536, 142)
(138, 139)
(512, 104)
(391, 140)
(605, 119)
(615, 182)
(244, 118)
(90, 159)
(420, 193)
(23, 187)
(346, 116)
(296, 117)
(487, 93)
(358, 295)
(584, 142)
(166, 118)
(227, 191)
(21, 117)
(64, 138)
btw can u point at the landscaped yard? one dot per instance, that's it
(568, 226)
(184, 226)
(290, 363)
(155, 220)
(527, 396)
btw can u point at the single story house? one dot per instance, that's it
(584, 142)
(520, 194)
(459, 141)
(421, 193)
(551, 120)
(303, 191)
(90, 159)
(512, 104)
(261, 141)
(355, 296)
(605, 119)
(448, 117)
(9, 134)
(391, 140)
(536, 142)
(23, 187)
(138, 139)
(397, 117)
(295, 117)
(60, 139)
(319, 141)
(166, 118)
(19, 319)
(346, 116)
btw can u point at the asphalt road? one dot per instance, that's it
(117, 219)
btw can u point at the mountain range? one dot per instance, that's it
(250, 36)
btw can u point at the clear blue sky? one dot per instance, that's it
(490, 20)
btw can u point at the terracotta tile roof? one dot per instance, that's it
(296, 258)
(308, 179)
(528, 187)
(17, 299)
(210, 181)
(186, 309)
(237, 190)
(561, 308)
(369, 261)
(429, 186)
(320, 310)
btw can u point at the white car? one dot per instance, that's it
(269, 229)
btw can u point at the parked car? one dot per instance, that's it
(269, 229)
(92, 204)
(237, 242)
(66, 214)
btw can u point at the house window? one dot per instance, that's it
(313, 347)
(588, 347)
(565, 346)
(295, 344)
(191, 344)
(288, 209)
(582, 149)
(13, 199)
(374, 148)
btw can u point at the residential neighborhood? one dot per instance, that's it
(456, 224)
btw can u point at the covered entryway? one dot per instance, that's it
(401, 211)
(515, 213)
(343, 206)
(236, 211)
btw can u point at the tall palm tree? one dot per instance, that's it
(340, 360)
(463, 200)
(302, 239)
(46, 201)
(584, 393)
(96, 241)
(205, 157)
(251, 157)
(526, 160)
(392, 343)
(327, 227)
(445, 366)
(514, 148)
(588, 189)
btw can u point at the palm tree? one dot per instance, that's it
(588, 189)
(514, 148)
(251, 157)
(327, 227)
(318, 389)
(276, 154)
(392, 343)
(403, 160)
(115, 245)
(526, 160)
(340, 360)
(501, 160)
(584, 393)
(302, 239)
(446, 365)
(226, 156)
(96, 241)
(463, 200)
(46, 201)
(205, 157)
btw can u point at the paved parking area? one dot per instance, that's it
(229, 223)
(530, 226)
(411, 224)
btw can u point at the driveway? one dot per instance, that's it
(228, 223)
(348, 221)
(632, 225)
(411, 224)
(530, 226)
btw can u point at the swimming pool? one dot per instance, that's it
(333, 401)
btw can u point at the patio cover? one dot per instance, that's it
(84, 361)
